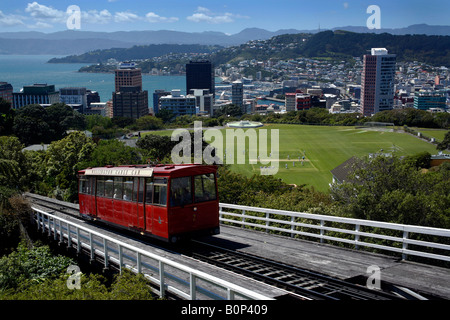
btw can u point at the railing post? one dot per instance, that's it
(69, 239)
(78, 240)
(193, 287)
(357, 226)
(292, 226)
(37, 220)
(138, 263)
(322, 224)
(61, 237)
(49, 228)
(105, 250)
(162, 286)
(91, 246)
(267, 222)
(404, 245)
(120, 258)
(55, 234)
(243, 219)
(230, 294)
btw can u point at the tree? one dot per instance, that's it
(149, 123)
(158, 147)
(394, 190)
(62, 160)
(6, 117)
(35, 124)
(30, 125)
(13, 163)
(111, 152)
(444, 144)
(165, 115)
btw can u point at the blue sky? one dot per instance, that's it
(226, 16)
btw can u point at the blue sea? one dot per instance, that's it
(22, 70)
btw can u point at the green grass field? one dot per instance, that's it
(438, 134)
(324, 148)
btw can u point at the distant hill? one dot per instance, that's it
(434, 50)
(135, 53)
(77, 41)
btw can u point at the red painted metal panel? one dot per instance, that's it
(141, 216)
(87, 204)
(159, 221)
(129, 214)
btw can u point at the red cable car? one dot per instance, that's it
(168, 202)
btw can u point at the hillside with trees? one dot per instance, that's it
(343, 45)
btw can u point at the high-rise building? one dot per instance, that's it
(377, 81)
(128, 75)
(129, 100)
(200, 75)
(237, 94)
(6, 91)
(39, 93)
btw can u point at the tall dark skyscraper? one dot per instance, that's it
(200, 75)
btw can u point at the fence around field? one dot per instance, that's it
(407, 240)
(167, 275)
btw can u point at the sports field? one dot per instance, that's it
(323, 149)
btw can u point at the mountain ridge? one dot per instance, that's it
(34, 42)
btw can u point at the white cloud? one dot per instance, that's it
(204, 10)
(95, 16)
(7, 20)
(346, 5)
(154, 18)
(42, 12)
(126, 17)
(205, 15)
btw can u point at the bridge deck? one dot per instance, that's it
(337, 262)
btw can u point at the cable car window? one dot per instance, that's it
(83, 185)
(205, 187)
(118, 188)
(180, 191)
(141, 190)
(90, 189)
(109, 188)
(160, 194)
(100, 187)
(149, 191)
(128, 189)
(135, 189)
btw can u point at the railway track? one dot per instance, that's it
(299, 281)
(290, 278)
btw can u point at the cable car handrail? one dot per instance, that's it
(274, 220)
(232, 289)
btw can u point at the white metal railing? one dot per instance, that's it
(297, 223)
(183, 281)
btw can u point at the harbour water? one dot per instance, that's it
(22, 70)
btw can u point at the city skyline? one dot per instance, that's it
(227, 16)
